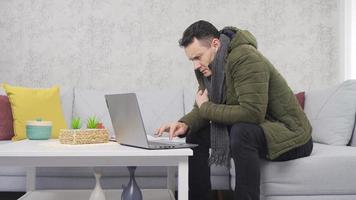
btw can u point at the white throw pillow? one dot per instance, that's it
(157, 107)
(332, 113)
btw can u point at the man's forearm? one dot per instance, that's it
(194, 120)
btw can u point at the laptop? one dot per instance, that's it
(128, 125)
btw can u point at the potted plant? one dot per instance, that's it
(95, 132)
(76, 123)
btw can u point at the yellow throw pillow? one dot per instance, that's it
(30, 104)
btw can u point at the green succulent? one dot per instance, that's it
(76, 123)
(92, 122)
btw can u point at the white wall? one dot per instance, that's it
(353, 41)
(348, 39)
(133, 44)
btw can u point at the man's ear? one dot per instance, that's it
(215, 43)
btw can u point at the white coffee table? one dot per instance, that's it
(50, 153)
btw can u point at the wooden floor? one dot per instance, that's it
(216, 195)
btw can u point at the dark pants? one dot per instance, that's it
(248, 145)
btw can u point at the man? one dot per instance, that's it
(243, 110)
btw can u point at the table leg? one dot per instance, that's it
(183, 180)
(30, 179)
(171, 180)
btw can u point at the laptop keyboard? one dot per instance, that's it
(164, 145)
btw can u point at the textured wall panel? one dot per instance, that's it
(133, 44)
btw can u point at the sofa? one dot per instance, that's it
(326, 174)
(157, 107)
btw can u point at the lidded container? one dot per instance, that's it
(38, 129)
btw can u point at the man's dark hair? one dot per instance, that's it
(202, 30)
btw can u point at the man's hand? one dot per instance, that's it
(201, 97)
(174, 129)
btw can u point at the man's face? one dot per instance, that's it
(202, 53)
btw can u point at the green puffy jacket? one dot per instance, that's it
(255, 93)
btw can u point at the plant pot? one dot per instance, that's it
(83, 136)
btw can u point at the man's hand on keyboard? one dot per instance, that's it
(174, 129)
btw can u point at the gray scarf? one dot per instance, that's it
(219, 134)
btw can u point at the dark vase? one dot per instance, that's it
(131, 191)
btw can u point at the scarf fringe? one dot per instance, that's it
(220, 159)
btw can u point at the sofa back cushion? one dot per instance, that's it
(189, 94)
(157, 107)
(332, 113)
(6, 120)
(67, 98)
(353, 137)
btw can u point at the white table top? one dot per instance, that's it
(52, 153)
(54, 148)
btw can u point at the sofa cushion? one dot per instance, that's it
(12, 171)
(189, 98)
(329, 170)
(332, 113)
(13, 183)
(312, 197)
(6, 120)
(31, 103)
(353, 139)
(89, 103)
(67, 95)
(301, 98)
(157, 107)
